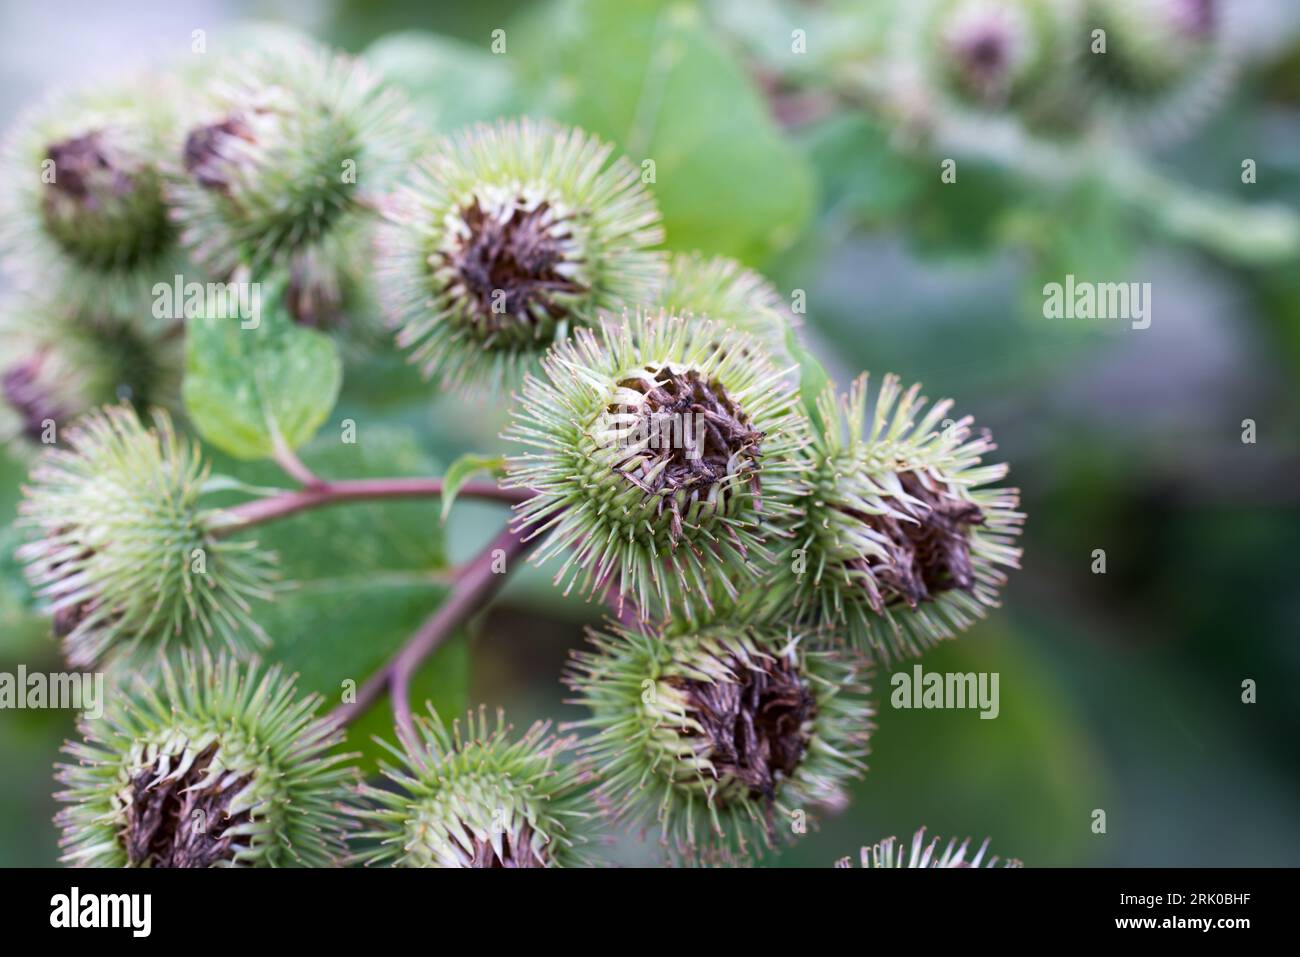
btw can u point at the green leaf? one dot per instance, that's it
(400, 536)
(862, 174)
(335, 632)
(813, 377)
(450, 83)
(359, 579)
(966, 219)
(462, 470)
(654, 78)
(248, 389)
(1022, 777)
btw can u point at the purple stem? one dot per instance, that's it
(258, 511)
(475, 584)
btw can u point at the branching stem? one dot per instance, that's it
(259, 511)
(475, 584)
(295, 467)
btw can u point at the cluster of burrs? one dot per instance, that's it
(762, 539)
(1061, 66)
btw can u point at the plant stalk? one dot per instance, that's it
(475, 584)
(259, 511)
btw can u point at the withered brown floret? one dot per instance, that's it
(697, 436)
(509, 266)
(183, 821)
(757, 727)
(928, 554)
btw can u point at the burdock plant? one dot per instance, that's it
(507, 237)
(222, 766)
(664, 457)
(66, 362)
(997, 53)
(1151, 46)
(290, 151)
(1165, 65)
(724, 291)
(83, 210)
(675, 455)
(122, 553)
(891, 853)
(902, 540)
(472, 797)
(726, 738)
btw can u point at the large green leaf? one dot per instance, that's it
(1027, 779)
(249, 386)
(450, 83)
(863, 175)
(334, 632)
(360, 578)
(967, 218)
(652, 77)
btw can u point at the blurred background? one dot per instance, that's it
(808, 139)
